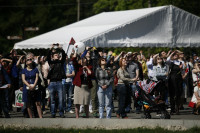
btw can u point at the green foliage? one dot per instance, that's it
(60, 130)
(45, 14)
(116, 5)
(52, 14)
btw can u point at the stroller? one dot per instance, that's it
(150, 103)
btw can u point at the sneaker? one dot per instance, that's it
(137, 111)
(158, 115)
(117, 115)
(95, 115)
(7, 116)
(182, 108)
(62, 116)
(13, 105)
(84, 115)
(71, 112)
(81, 111)
(90, 111)
(44, 112)
(125, 117)
(169, 109)
(53, 116)
(113, 111)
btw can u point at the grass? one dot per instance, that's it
(56, 130)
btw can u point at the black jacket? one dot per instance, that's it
(57, 72)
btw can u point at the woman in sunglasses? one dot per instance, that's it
(31, 93)
(105, 79)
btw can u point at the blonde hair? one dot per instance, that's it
(31, 55)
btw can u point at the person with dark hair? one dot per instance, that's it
(55, 75)
(92, 57)
(105, 79)
(68, 86)
(42, 84)
(133, 69)
(14, 77)
(83, 84)
(21, 65)
(4, 79)
(175, 81)
(188, 78)
(6, 64)
(160, 74)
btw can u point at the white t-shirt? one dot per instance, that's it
(196, 89)
(150, 68)
(194, 99)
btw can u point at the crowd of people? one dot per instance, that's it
(92, 79)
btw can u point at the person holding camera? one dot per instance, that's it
(83, 84)
(92, 57)
(55, 75)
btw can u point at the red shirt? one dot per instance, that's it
(79, 71)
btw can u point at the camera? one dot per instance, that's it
(55, 46)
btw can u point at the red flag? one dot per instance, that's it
(72, 41)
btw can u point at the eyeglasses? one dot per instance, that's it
(159, 58)
(28, 59)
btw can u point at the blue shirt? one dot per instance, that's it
(30, 77)
(14, 71)
(69, 68)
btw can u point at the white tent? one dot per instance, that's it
(165, 26)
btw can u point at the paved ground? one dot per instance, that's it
(185, 114)
(183, 121)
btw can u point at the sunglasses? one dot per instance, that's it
(28, 59)
(103, 60)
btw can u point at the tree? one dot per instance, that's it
(45, 14)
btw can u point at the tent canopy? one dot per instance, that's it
(165, 26)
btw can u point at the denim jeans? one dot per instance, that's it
(53, 88)
(67, 90)
(105, 100)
